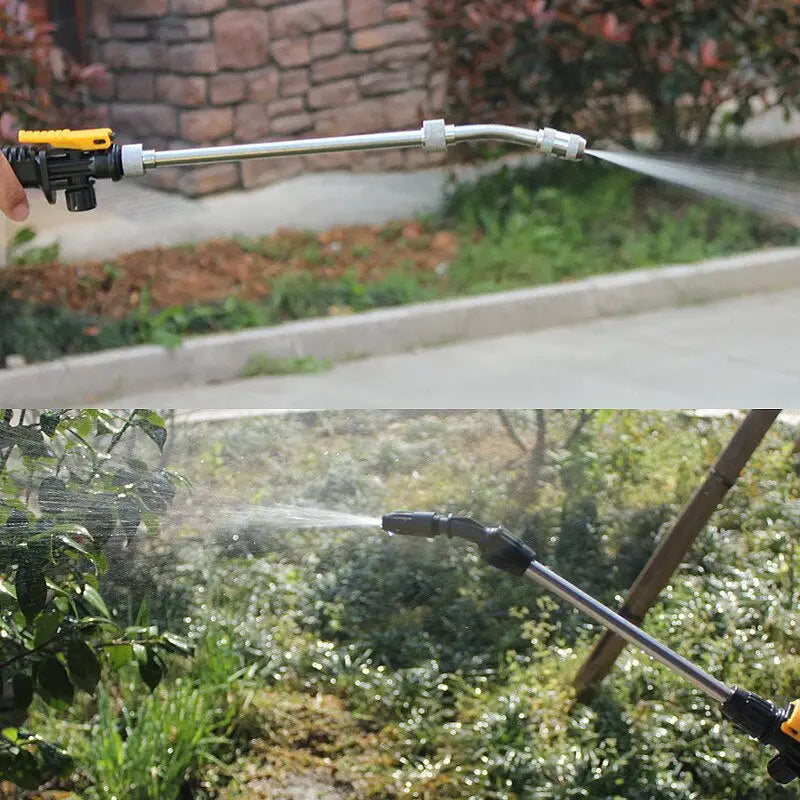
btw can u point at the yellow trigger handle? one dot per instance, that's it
(791, 727)
(89, 139)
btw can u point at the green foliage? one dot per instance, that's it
(42, 88)
(41, 333)
(543, 226)
(432, 675)
(263, 364)
(20, 255)
(150, 751)
(65, 503)
(518, 227)
(550, 63)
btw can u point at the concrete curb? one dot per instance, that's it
(87, 379)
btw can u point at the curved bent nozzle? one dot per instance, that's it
(548, 141)
(428, 524)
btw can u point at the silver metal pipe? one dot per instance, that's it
(295, 147)
(433, 136)
(628, 631)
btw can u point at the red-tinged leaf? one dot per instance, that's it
(709, 54)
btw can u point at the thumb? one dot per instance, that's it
(13, 202)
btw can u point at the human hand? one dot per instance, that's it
(13, 202)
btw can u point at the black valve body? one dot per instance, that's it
(762, 720)
(73, 171)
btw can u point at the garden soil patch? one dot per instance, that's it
(197, 274)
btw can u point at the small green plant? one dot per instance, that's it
(391, 232)
(360, 251)
(264, 364)
(21, 255)
(112, 272)
(148, 753)
(313, 254)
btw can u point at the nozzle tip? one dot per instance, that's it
(576, 148)
(568, 146)
(411, 523)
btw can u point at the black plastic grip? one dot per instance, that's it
(30, 167)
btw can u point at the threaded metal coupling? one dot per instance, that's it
(564, 145)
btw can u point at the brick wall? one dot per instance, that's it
(198, 72)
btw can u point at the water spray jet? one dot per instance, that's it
(771, 726)
(737, 186)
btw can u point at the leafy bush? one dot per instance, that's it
(568, 65)
(65, 505)
(41, 86)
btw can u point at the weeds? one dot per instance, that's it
(21, 255)
(148, 753)
(263, 364)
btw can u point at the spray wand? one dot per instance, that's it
(72, 160)
(774, 727)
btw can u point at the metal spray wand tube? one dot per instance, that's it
(508, 553)
(75, 159)
(761, 719)
(433, 136)
(628, 631)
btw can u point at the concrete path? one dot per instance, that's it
(738, 353)
(131, 216)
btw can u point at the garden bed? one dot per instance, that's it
(517, 228)
(349, 664)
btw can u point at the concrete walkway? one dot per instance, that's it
(737, 353)
(131, 216)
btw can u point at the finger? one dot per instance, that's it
(13, 202)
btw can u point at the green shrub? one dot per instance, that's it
(42, 87)
(67, 501)
(549, 62)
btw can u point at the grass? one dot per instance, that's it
(516, 228)
(150, 755)
(263, 364)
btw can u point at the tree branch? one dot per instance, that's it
(120, 432)
(512, 434)
(576, 431)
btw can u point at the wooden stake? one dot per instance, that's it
(672, 548)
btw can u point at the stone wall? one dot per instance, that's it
(200, 72)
